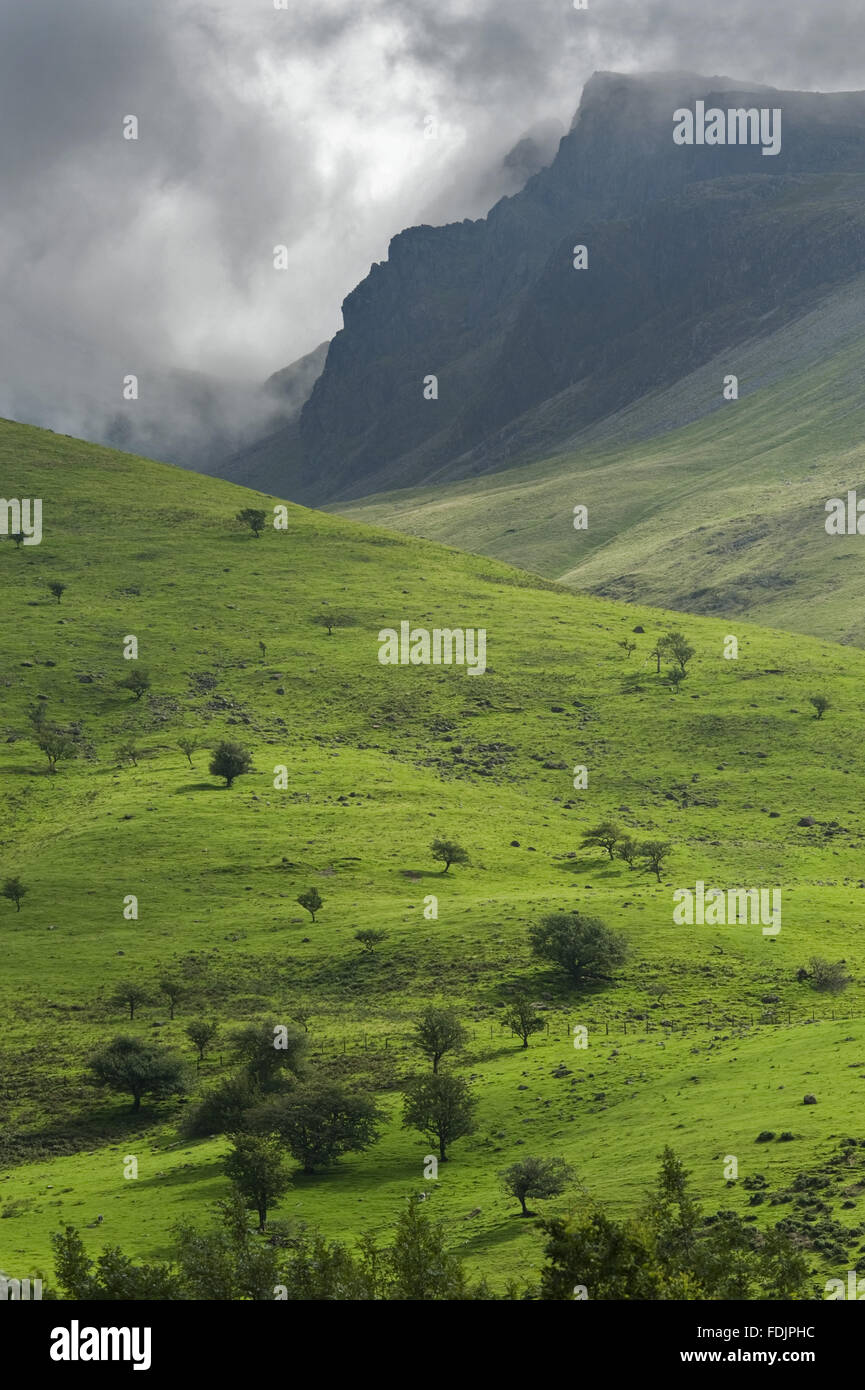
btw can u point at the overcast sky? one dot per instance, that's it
(301, 126)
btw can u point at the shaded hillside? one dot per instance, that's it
(691, 250)
(707, 505)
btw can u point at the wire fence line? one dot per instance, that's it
(561, 1028)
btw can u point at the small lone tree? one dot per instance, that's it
(675, 678)
(827, 977)
(188, 746)
(55, 743)
(438, 1031)
(332, 620)
(521, 1016)
(201, 1033)
(57, 588)
(129, 752)
(257, 1171)
(677, 645)
(312, 900)
(263, 649)
(13, 890)
(655, 853)
(628, 849)
(173, 991)
(659, 651)
(320, 1121)
(536, 1177)
(369, 938)
(448, 852)
(582, 946)
(137, 1068)
(254, 519)
(230, 760)
(821, 703)
(18, 537)
(129, 995)
(138, 681)
(628, 646)
(605, 836)
(441, 1106)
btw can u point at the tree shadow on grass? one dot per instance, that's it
(503, 1234)
(180, 1176)
(200, 787)
(600, 868)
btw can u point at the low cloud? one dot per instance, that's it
(302, 127)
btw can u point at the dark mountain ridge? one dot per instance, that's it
(691, 249)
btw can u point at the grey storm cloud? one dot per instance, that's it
(301, 127)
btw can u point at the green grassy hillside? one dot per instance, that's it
(380, 760)
(695, 503)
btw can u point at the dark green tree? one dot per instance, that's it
(136, 1068)
(369, 938)
(111, 1277)
(821, 703)
(655, 853)
(229, 760)
(320, 1121)
(13, 890)
(521, 1016)
(332, 621)
(628, 849)
(448, 852)
(536, 1177)
(56, 743)
(604, 836)
(138, 681)
(223, 1109)
(129, 994)
(438, 1031)
(254, 518)
(419, 1268)
(201, 1033)
(173, 990)
(670, 1251)
(257, 1171)
(441, 1106)
(582, 946)
(228, 1262)
(312, 900)
(268, 1050)
(827, 977)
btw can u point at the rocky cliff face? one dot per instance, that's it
(690, 248)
